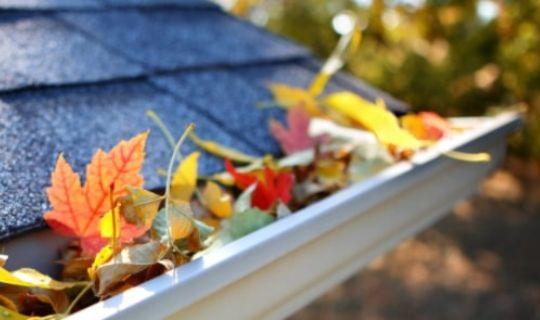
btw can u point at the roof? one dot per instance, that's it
(76, 75)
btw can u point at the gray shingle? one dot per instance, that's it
(171, 39)
(49, 4)
(35, 126)
(36, 50)
(230, 100)
(231, 96)
(174, 3)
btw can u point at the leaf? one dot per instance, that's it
(296, 138)
(106, 225)
(140, 206)
(282, 211)
(31, 278)
(222, 151)
(102, 257)
(243, 202)
(361, 168)
(302, 158)
(243, 223)
(271, 185)
(426, 125)
(331, 171)
(373, 117)
(414, 124)
(289, 97)
(217, 201)
(130, 260)
(12, 315)
(57, 300)
(435, 125)
(77, 210)
(184, 180)
(340, 135)
(180, 223)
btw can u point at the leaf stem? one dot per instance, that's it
(176, 151)
(115, 230)
(164, 130)
(77, 298)
(468, 157)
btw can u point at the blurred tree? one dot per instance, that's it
(458, 57)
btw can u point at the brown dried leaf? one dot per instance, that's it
(129, 261)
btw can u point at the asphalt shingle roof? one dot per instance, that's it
(77, 75)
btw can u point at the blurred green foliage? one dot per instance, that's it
(455, 57)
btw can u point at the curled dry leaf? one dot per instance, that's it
(140, 206)
(42, 302)
(130, 260)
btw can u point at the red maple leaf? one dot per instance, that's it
(296, 137)
(271, 185)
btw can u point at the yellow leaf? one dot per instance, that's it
(5, 313)
(31, 278)
(108, 228)
(217, 201)
(102, 257)
(184, 179)
(373, 117)
(331, 171)
(140, 206)
(221, 151)
(289, 97)
(180, 221)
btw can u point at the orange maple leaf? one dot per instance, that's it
(77, 209)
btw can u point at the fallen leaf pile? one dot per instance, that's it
(123, 234)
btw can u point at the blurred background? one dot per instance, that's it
(458, 58)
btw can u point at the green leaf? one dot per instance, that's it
(160, 226)
(243, 223)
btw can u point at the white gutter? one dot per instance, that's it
(274, 271)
